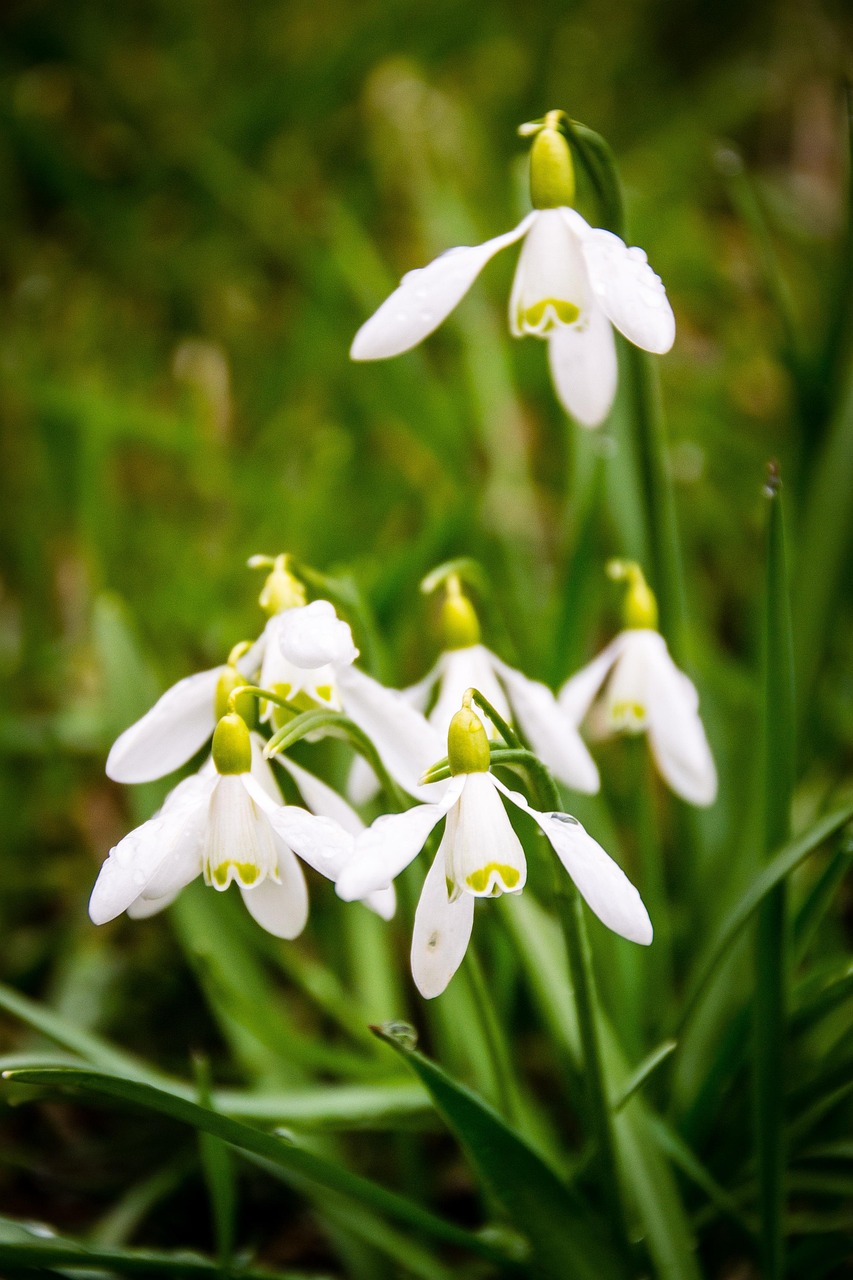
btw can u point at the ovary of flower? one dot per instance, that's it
(573, 283)
(315, 638)
(234, 828)
(633, 686)
(481, 856)
(528, 704)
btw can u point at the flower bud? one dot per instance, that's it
(459, 625)
(639, 608)
(552, 173)
(232, 746)
(467, 742)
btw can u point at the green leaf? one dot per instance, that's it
(293, 1159)
(771, 951)
(774, 873)
(566, 1239)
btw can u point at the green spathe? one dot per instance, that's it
(232, 745)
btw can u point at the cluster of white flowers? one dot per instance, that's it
(228, 822)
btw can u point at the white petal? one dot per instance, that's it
(583, 364)
(550, 732)
(600, 881)
(168, 842)
(176, 727)
(314, 636)
(441, 933)
(463, 669)
(417, 695)
(239, 843)
(383, 902)
(406, 743)
(262, 770)
(626, 287)
(484, 855)
(143, 907)
(362, 783)
(426, 297)
(321, 799)
(281, 909)
(676, 735)
(391, 843)
(577, 694)
(320, 842)
(551, 277)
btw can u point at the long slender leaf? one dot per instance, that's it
(565, 1237)
(321, 1172)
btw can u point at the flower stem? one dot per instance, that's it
(573, 925)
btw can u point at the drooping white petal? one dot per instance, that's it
(463, 669)
(362, 783)
(391, 843)
(319, 841)
(676, 735)
(280, 907)
(262, 769)
(165, 848)
(551, 285)
(285, 677)
(426, 297)
(176, 727)
(601, 882)
(239, 842)
(417, 695)
(143, 907)
(383, 902)
(484, 855)
(314, 636)
(321, 799)
(550, 732)
(627, 696)
(577, 694)
(442, 930)
(582, 358)
(626, 287)
(407, 744)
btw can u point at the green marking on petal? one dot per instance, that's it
(626, 714)
(478, 880)
(562, 312)
(245, 873)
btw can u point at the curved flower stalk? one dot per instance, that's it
(184, 718)
(573, 284)
(314, 639)
(480, 856)
(633, 686)
(225, 824)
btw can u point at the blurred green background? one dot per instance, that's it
(200, 202)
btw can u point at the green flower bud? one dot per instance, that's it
(229, 682)
(460, 627)
(467, 743)
(232, 746)
(639, 608)
(552, 173)
(282, 590)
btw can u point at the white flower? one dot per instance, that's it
(234, 827)
(573, 282)
(481, 856)
(314, 639)
(646, 692)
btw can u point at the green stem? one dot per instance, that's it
(771, 943)
(653, 881)
(570, 909)
(509, 1100)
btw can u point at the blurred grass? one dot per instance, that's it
(199, 204)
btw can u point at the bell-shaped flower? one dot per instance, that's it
(480, 856)
(314, 639)
(225, 824)
(573, 284)
(184, 718)
(633, 686)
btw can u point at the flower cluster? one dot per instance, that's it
(229, 821)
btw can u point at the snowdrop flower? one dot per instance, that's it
(573, 283)
(480, 856)
(633, 686)
(183, 719)
(528, 704)
(315, 642)
(225, 824)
